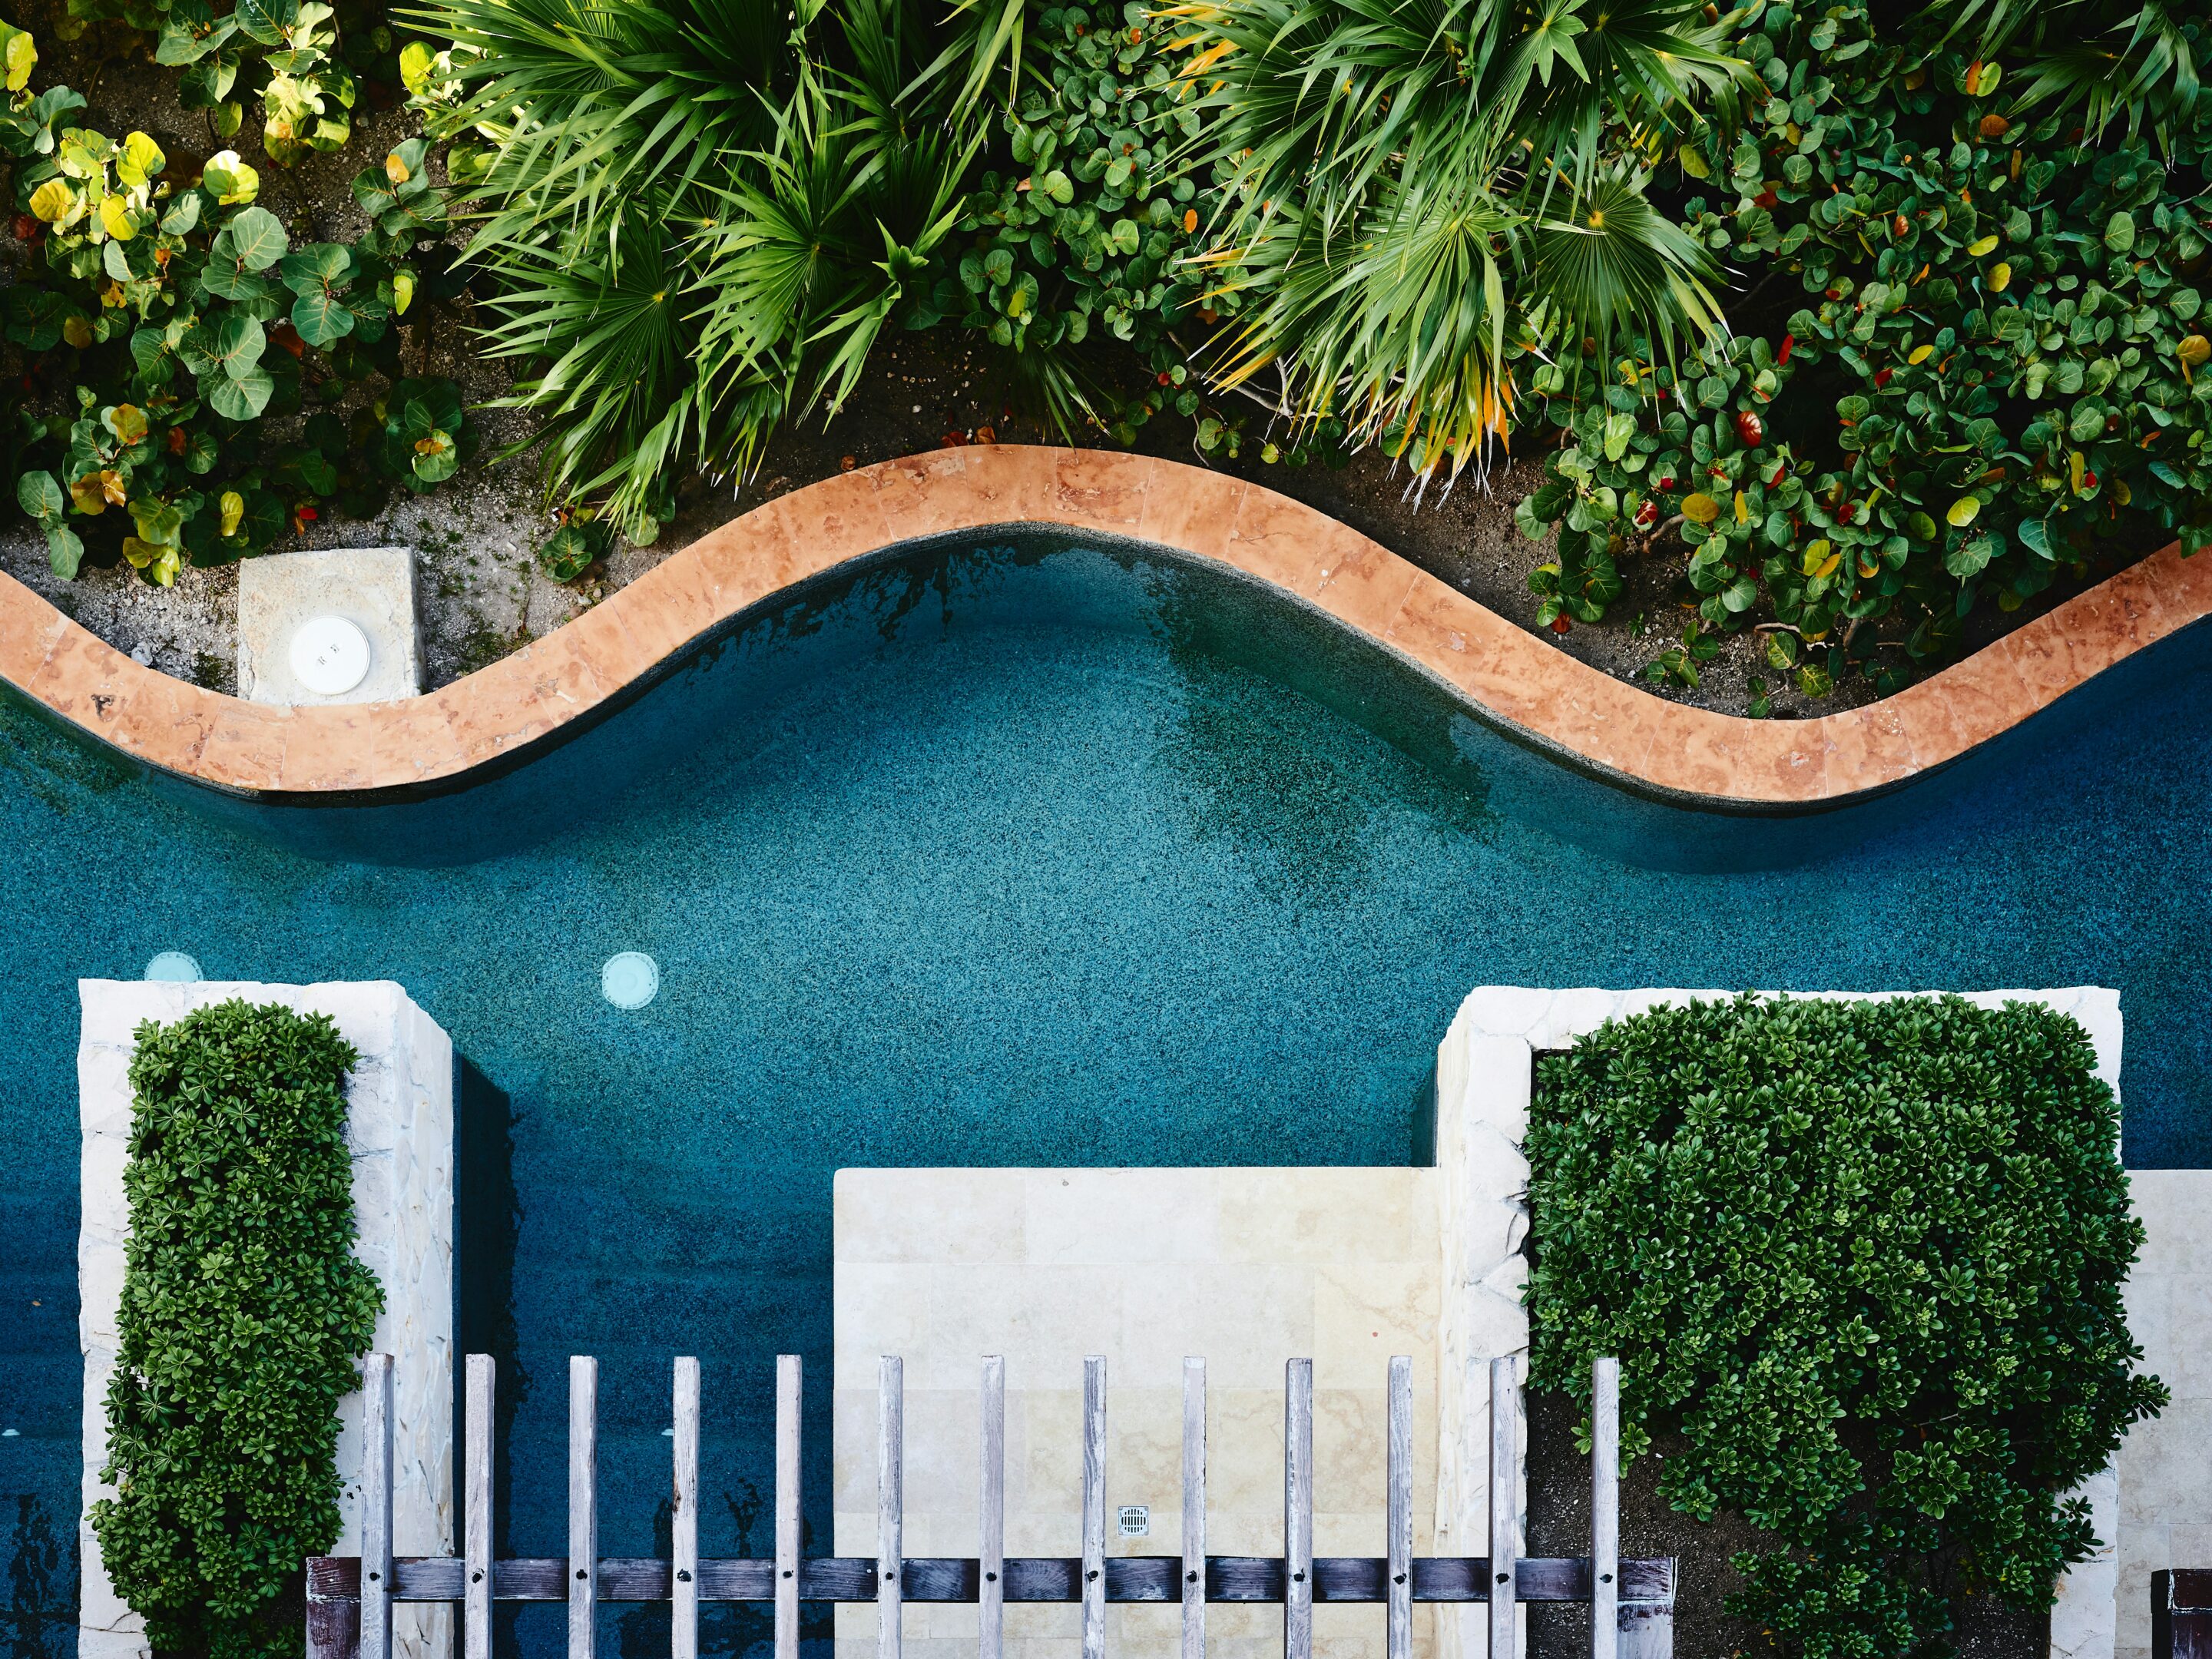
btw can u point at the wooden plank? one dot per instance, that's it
(1240, 1578)
(476, 1545)
(583, 1504)
(991, 1513)
(376, 1506)
(333, 1607)
(1398, 1521)
(1505, 1511)
(790, 1375)
(890, 1488)
(1094, 1506)
(684, 1516)
(1605, 1508)
(1297, 1509)
(1193, 1586)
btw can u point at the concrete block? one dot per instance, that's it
(372, 588)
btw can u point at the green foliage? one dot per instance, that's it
(1993, 380)
(698, 219)
(1863, 1261)
(180, 318)
(1423, 196)
(1090, 233)
(244, 1311)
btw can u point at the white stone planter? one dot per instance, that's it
(400, 1097)
(1485, 1071)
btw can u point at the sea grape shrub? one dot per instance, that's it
(244, 1311)
(180, 320)
(1991, 378)
(1086, 236)
(1861, 1262)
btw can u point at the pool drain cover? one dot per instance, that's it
(174, 967)
(630, 980)
(330, 655)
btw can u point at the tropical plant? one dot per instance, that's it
(1994, 381)
(696, 217)
(1862, 1261)
(1420, 195)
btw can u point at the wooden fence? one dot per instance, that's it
(349, 1598)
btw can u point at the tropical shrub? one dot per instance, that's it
(173, 321)
(1968, 364)
(244, 1309)
(697, 218)
(1861, 1263)
(1419, 197)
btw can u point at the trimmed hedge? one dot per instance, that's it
(244, 1311)
(1864, 1260)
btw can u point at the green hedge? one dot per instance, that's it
(244, 1309)
(1862, 1261)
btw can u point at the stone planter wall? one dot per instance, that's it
(401, 1096)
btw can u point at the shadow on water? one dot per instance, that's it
(39, 1616)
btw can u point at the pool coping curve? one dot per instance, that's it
(1513, 677)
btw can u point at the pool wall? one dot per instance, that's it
(1508, 677)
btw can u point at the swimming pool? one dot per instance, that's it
(1041, 851)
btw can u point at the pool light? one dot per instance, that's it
(174, 968)
(630, 980)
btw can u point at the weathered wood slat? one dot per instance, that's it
(1504, 1508)
(583, 1504)
(991, 1512)
(1398, 1512)
(1297, 1509)
(476, 1545)
(790, 1377)
(683, 1517)
(1094, 1506)
(890, 1498)
(1193, 1588)
(336, 1580)
(1605, 1508)
(376, 1506)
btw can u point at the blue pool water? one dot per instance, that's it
(1021, 854)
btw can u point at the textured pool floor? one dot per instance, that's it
(992, 860)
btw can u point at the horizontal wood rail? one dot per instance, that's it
(350, 1598)
(1128, 1578)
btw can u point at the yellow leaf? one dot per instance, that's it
(1828, 565)
(395, 169)
(140, 554)
(140, 159)
(403, 292)
(77, 331)
(232, 506)
(2000, 277)
(1921, 354)
(53, 201)
(1817, 553)
(1700, 508)
(2077, 469)
(116, 216)
(1742, 508)
(19, 55)
(2193, 349)
(1693, 162)
(1963, 512)
(2121, 493)
(1985, 244)
(128, 422)
(90, 498)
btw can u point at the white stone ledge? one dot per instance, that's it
(400, 1131)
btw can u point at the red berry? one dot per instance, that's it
(1647, 515)
(1881, 378)
(1561, 625)
(1750, 429)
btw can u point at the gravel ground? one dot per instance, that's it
(482, 594)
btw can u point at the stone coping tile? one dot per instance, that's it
(1517, 679)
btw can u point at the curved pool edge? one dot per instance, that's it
(1508, 676)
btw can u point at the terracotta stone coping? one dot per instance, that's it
(1510, 677)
